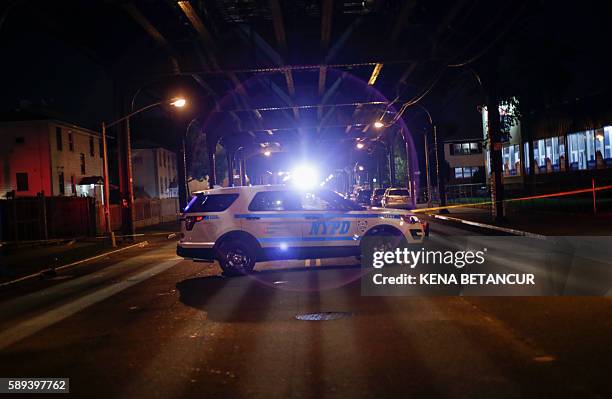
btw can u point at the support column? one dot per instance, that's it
(392, 160)
(212, 170)
(230, 167)
(243, 180)
(181, 163)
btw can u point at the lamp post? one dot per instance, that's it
(437, 158)
(179, 103)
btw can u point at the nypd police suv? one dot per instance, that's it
(239, 226)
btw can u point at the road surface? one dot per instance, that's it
(147, 324)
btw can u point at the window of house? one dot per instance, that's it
(83, 164)
(92, 150)
(58, 138)
(465, 148)
(581, 150)
(466, 172)
(73, 185)
(62, 187)
(526, 152)
(511, 160)
(101, 148)
(549, 154)
(165, 158)
(608, 145)
(22, 181)
(70, 142)
(160, 158)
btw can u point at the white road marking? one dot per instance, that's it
(78, 262)
(29, 327)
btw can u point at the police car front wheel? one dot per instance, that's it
(235, 257)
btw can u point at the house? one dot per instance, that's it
(154, 171)
(466, 160)
(44, 156)
(567, 145)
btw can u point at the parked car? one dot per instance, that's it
(377, 196)
(363, 197)
(396, 198)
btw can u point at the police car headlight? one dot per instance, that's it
(410, 219)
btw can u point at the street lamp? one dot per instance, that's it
(378, 124)
(360, 146)
(267, 153)
(177, 102)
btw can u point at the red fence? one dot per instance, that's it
(41, 218)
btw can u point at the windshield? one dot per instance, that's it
(339, 201)
(379, 191)
(399, 192)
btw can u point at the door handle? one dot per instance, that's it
(252, 217)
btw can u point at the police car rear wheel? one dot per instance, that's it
(235, 258)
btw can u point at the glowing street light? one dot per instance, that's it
(267, 153)
(179, 102)
(378, 124)
(361, 168)
(360, 146)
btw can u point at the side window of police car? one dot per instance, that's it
(322, 201)
(275, 201)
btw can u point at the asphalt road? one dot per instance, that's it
(147, 324)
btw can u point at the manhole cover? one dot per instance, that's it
(323, 316)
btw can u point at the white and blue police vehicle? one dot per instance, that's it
(239, 226)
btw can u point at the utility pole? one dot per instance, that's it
(440, 177)
(427, 169)
(495, 144)
(129, 218)
(107, 218)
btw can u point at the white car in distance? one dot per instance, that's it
(397, 198)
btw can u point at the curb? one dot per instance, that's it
(491, 227)
(78, 262)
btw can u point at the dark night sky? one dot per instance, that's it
(564, 44)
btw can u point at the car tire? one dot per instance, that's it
(388, 240)
(235, 257)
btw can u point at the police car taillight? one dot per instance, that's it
(190, 221)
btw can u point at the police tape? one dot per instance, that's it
(532, 197)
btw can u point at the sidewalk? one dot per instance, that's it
(21, 260)
(544, 223)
